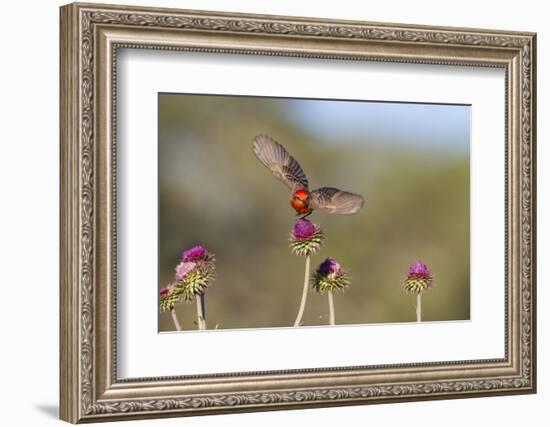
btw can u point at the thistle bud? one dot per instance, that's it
(195, 271)
(330, 276)
(419, 278)
(169, 297)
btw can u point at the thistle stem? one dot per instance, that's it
(419, 307)
(175, 319)
(200, 314)
(203, 308)
(304, 294)
(331, 308)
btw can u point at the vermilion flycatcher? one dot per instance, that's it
(285, 167)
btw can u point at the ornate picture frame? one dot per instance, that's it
(90, 37)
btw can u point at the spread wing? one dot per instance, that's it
(336, 201)
(285, 167)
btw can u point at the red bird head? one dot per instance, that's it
(300, 201)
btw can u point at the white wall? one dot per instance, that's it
(29, 170)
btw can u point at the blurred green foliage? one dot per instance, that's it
(213, 192)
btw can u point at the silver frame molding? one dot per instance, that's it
(90, 37)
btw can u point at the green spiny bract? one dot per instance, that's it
(323, 283)
(197, 280)
(176, 293)
(304, 247)
(416, 285)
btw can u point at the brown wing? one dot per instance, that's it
(336, 201)
(285, 167)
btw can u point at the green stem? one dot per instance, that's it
(304, 294)
(175, 319)
(419, 307)
(331, 308)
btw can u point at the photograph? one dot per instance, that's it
(287, 212)
(261, 211)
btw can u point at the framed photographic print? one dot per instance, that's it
(266, 212)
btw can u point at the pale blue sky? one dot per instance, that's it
(432, 126)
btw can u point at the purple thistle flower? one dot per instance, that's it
(183, 269)
(164, 292)
(330, 267)
(330, 276)
(419, 270)
(195, 254)
(306, 238)
(304, 229)
(419, 278)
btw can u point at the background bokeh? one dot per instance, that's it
(410, 161)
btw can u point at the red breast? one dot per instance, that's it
(300, 206)
(300, 201)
